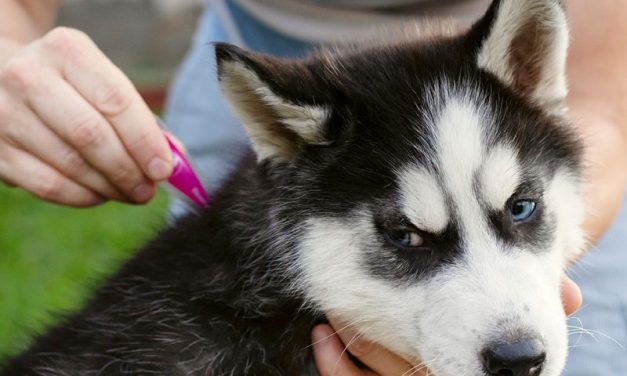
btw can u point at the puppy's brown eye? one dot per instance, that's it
(404, 238)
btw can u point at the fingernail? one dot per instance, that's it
(143, 192)
(158, 169)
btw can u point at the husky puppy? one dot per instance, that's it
(425, 190)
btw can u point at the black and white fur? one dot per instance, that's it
(440, 133)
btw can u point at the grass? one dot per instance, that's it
(51, 257)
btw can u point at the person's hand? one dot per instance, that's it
(73, 129)
(330, 350)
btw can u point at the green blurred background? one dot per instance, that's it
(52, 257)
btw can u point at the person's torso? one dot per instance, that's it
(324, 21)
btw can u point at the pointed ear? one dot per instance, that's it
(277, 101)
(524, 43)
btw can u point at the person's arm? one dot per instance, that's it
(73, 129)
(597, 70)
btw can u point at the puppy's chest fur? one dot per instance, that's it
(195, 301)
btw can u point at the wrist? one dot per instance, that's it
(605, 157)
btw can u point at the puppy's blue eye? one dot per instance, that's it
(522, 210)
(405, 238)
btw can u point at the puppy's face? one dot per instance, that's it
(449, 243)
(431, 186)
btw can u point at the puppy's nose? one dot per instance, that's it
(521, 358)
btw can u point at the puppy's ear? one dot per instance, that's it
(524, 43)
(277, 100)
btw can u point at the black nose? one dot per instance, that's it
(521, 358)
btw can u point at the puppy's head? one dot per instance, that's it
(430, 186)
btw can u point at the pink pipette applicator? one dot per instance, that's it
(184, 183)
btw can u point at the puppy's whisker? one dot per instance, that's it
(594, 334)
(355, 338)
(418, 368)
(413, 370)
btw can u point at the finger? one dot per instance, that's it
(7, 183)
(386, 363)
(102, 84)
(29, 134)
(572, 297)
(378, 359)
(331, 358)
(22, 169)
(382, 361)
(80, 125)
(178, 143)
